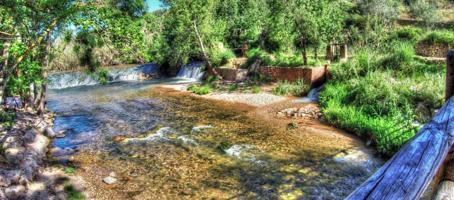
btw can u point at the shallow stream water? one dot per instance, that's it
(164, 144)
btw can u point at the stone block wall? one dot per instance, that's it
(428, 49)
(311, 76)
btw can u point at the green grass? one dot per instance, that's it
(70, 170)
(408, 33)
(440, 37)
(256, 89)
(200, 89)
(285, 88)
(377, 94)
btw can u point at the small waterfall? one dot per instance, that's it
(193, 70)
(74, 79)
(311, 97)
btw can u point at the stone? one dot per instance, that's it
(50, 132)
(15, 192)
(109, 180)
(14, 155)
(113, 174)
(280, 114)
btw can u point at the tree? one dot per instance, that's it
(246, 20)
(190, 31)
(318, 22)
(33, 25)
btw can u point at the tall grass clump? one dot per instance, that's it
(409, 33)
(401, 56)
(440, 37)
(285, 88)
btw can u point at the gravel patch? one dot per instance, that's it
(260, 99)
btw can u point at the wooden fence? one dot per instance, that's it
(410, 171)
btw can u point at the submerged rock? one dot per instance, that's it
(109, 180)
(161, 134)
(201, 128)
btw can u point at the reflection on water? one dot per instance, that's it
(163, 143)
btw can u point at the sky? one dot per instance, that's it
(153, 5)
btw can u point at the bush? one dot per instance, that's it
(257, 54)
(256, 89)
(401, 56)
(389, 133)
(103, 75)
(440, 37)
(409, 33)
(7, 118)
(219, 57)
(200, 90)
(364, 62)
(296, 88)
(288, 61)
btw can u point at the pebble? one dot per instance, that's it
(109, 180)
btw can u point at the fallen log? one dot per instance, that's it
(409, 172)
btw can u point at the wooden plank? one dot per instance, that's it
(408, 173)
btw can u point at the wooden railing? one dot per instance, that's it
(410, 171)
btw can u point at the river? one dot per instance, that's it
(166, 144)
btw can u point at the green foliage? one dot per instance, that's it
(379, 96)
(285, 88)
(103, 76)
(200, 90)
(440, 37)
(283, 60)
(7, 118)
(387, 133)
(219, 57)
(256, 89)
(409, 33)
(424, 10)
(70, 170)
(72, 193)
(401, 56)
(232, 87)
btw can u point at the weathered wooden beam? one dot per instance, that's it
(408, 173)
(343, 52)
(450, 75)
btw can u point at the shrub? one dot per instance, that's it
(401, 56)
(7, 118)
(72, 193)
(296, 88)
(256, 89)
(103, 75)
(200, 90)
(440, 37)
(219, 57)
(388, 132)
(288, 61)
(233, 87)
(409, 33)
(257, 54)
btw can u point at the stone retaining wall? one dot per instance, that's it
(428, 49)
(231, 74)
(311, 76)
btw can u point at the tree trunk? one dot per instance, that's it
(42, 96)
(210, 67)
(329, 52)
(316, 53)
(5, 55)
(304, 52)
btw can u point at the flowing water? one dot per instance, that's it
(164, 144)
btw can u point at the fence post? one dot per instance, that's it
(344, 51)
(450, 75)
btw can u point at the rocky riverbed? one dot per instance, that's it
(153, 142)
